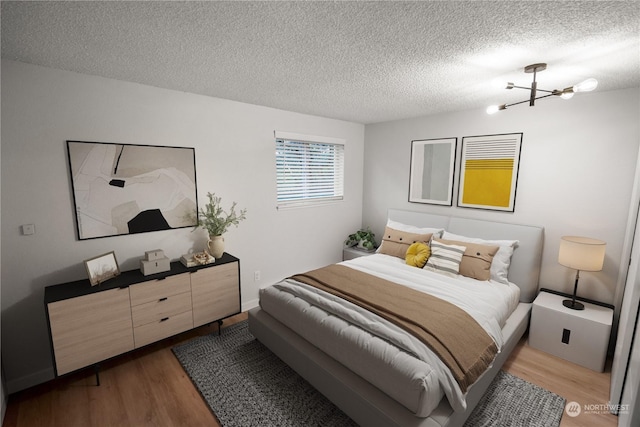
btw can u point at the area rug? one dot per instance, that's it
(246, 385)
(512, 401)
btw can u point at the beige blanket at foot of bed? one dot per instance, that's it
(449, 331)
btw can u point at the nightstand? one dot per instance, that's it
(579, 336)
(353, 252)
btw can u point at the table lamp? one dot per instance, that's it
(580, 253)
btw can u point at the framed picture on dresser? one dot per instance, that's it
(102, 268)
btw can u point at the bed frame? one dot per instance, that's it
(366, 404)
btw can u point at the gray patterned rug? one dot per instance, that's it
(512, 401)
(246, 385)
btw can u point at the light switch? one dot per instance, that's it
(28, 229)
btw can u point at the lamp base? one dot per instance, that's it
(574, 305)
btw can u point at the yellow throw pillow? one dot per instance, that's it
(417, 254)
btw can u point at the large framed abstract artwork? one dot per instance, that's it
(489, 171)
(127, 188)
(432, 169)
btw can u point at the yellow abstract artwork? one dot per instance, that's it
(489, 171)
(488, 182)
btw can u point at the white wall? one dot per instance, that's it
(235, 153)
(576, 174)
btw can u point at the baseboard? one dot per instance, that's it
(248, 305)
(30, 380)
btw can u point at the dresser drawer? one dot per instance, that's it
(163, 328)
(154, 290)
(156, 310)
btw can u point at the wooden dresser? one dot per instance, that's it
(89, 324)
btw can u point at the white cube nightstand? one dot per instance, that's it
(579, 336)
(353, 252)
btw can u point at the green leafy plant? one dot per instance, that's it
(215, 220)
(363, 238)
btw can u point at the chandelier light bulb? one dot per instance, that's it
(492, 109)
(567, 95)
(586, 86)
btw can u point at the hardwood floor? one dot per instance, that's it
(571, 381)
(148, 387)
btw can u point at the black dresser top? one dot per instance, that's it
(123, 280)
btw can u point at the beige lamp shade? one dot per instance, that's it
(581, 253)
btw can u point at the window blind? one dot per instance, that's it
(308, 171)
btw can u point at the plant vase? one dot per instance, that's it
(216, 246)
(361, 245)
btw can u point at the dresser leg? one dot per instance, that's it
(219, 327)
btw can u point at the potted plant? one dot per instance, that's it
(363, 239)
(216, 221)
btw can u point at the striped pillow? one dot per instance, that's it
(444, 258)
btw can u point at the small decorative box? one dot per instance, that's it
(154, 254)
(155, 266)
(154, 262)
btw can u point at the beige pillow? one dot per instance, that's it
(396, 242)
(501, 260)
(476, 261)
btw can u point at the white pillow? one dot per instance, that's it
(437, 232)
(445, 259)
(501, 260)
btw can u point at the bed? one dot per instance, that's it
(390, 380)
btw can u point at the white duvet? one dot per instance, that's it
(379, 351)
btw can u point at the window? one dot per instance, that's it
(310, 169)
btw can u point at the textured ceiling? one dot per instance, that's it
(359, 61)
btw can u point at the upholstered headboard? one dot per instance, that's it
(525, 262)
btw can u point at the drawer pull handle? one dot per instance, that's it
(163, 299)
(164, 319)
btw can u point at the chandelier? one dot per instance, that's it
(566, 93)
